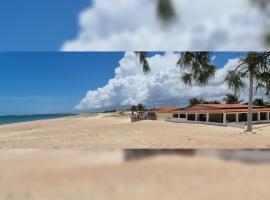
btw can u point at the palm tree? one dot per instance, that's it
(195, 101)
(198, 68)
(259, 102)
(264, 83)
(232, 99)
(215, 101)
(267, 104)
(133, 109)
(143, 60)
(251, 67)
(140, 107)
(199, 71)
(198, 63)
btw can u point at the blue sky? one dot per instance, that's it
(54, 82)
(35, 25)
(51, 25)
(51, 82)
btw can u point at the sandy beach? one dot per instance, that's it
(108, 132)
(70, 175)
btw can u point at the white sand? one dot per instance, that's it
(73, 175)
(114, 133)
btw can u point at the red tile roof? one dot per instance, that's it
(178, 109)
(221, 110)
(164, 109)
(227, 106)
(210, 108)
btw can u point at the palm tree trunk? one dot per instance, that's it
(250, 104)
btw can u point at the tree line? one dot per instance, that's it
(229, 99)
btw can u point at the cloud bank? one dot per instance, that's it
(201, 25)
(162, 86)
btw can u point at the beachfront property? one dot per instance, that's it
(220, 114)
(162, 113)
(215, 114)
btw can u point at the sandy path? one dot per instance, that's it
(72, 175)
(108, 132)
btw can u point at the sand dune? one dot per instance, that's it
(68, 175)
(113, 132)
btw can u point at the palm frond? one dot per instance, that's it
(234, 81)
(267, 38)
(259, 102)
(198, 66)
(232, 99)
(187, 79)
(166, 10)
(143, 60)
(195, 101)
(263, 82)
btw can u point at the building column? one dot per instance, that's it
(207, 117)
(196, 117)
(268, 116)
(237, 117)
(259, 116)
(224, 118)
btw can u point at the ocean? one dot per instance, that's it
(27, 118)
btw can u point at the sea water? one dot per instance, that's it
(27, 118)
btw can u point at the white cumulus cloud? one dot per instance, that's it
(162, 86)
(122, 25)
